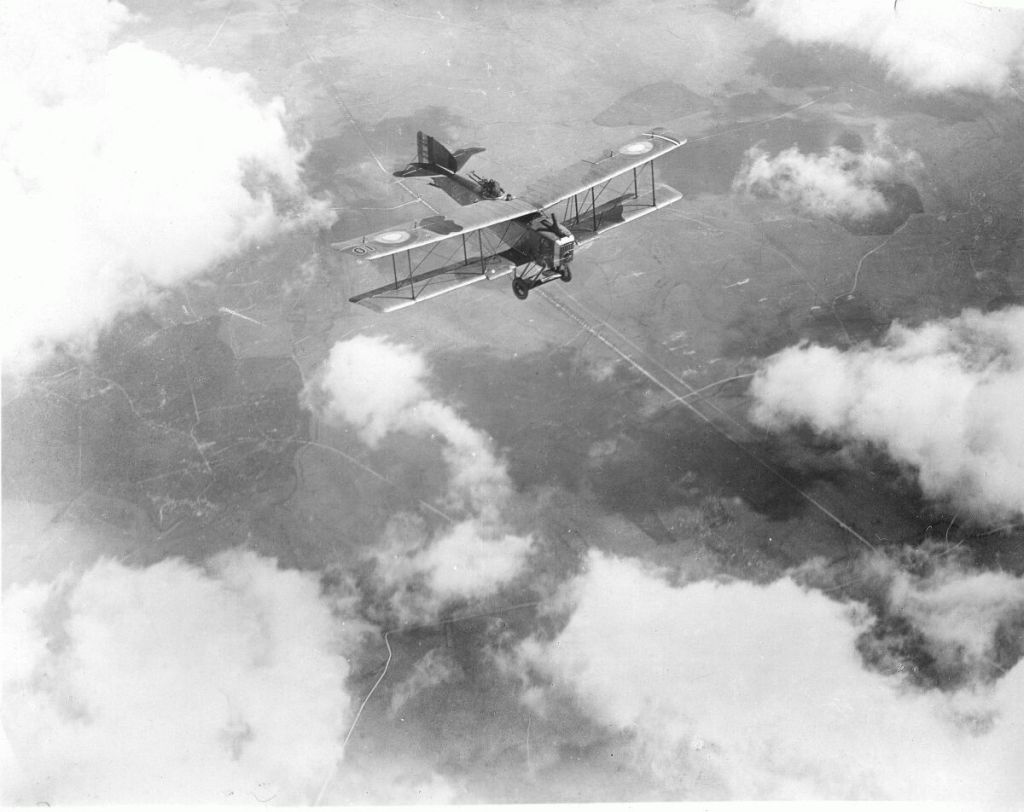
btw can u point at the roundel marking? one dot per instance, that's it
(393, 237)
(636, 147)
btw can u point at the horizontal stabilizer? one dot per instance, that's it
(432, 153)
(418, 171)
(463, 155)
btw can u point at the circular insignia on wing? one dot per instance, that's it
(393, 237)
(636, 147)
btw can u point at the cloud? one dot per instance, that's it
(371, 384)
(174, 683)
(380, 388)
(470, 560)
(942, 620)
(479, 481)
(838, 183)
(421, 572)
(960, 616)
(746, 691)
(434, 668)
(123, 172)
(931, 46)
(942, 398)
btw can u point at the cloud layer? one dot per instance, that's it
(930, 46)
(380, 388)
(173, 684)
(123, 172)
(943, 398)
(744, 691)
(837, 183)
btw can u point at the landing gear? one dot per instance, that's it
(537, 275)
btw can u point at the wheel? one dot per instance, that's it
(566, 273)
(520, 288)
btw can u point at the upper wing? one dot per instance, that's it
(433, 229)
(584, 175)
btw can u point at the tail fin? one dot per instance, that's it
(433, 158)
(431, 152)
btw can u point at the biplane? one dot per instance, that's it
(533, 236)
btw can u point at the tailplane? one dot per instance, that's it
(433, 158)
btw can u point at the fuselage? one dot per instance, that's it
(542, 240)
(483, 188)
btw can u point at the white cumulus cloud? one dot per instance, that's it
(174, 683)
(422, 573)
(747, 691)
(960, 615)
(123, 171)
(943, 398)
(836, 183)
(969, 622)
(381, 388)
(371, 384)
(930, 46)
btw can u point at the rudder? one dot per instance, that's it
(430, 151)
